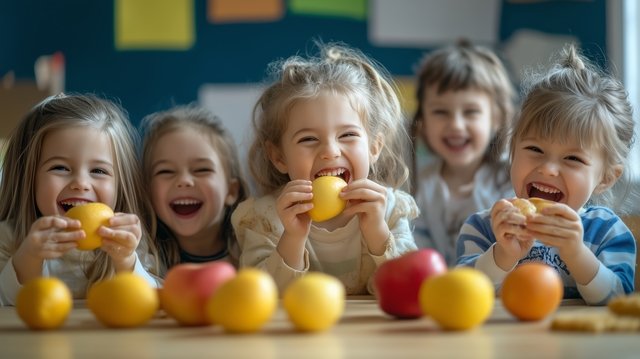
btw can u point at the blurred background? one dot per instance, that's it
(153, 54)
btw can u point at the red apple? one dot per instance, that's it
(188, 287)
(397, 281)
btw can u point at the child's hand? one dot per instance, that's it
(368, 200)
(49, 237)
(292, 206)
(512, 239)
(558, 226)
(120, 239)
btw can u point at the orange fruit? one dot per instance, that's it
(92, 216)
(124, 301)
(524, 206)
(459, 299)
(44, 303)
(326, 198)
(243, 304)
(540, 203)
(532, 291)
(314, 302)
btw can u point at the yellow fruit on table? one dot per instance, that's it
(314, 302)
(244, 303)
(326, 200)
(125, 301)
(459, 299)
(92, 216)
(44, 303)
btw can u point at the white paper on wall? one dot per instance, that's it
(420, 23)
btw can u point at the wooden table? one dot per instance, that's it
(363, 332)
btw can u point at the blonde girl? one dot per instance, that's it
(465, 99)
(570, 146)
(69, 150)
(193, 172)
(335, 114)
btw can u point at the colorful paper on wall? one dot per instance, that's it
(154, 24)
(224, 11)
(407, 95)
(355, 9)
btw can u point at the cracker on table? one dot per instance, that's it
(626, 305)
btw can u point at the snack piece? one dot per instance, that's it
(594, 322)
(531, 205)
(626, 305)
(524, 206)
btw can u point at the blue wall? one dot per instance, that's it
(147, 81)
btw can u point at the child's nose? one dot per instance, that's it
(185, 180)
(80, 182)
(549, 168)
(331, 149)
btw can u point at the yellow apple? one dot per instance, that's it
(326, 198)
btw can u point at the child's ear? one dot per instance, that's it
(276, 157)
(234, 192)
(376, 148)
(609, 179)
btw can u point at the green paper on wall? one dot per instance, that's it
(355, 9)
(154, 24)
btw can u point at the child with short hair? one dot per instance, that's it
(336, 114)
(569, 145)
(465, 99)
(71, 150)
(193, 172)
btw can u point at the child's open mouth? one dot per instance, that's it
(67, 205)
(185, 207)
(544, 192)
(336, 172)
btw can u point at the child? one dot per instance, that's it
(336, 114)
(570, 146)
(67, 151)
(465, 98)
(191, 165)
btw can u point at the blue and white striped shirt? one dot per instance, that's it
(604, 234)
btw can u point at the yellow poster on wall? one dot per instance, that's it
(225, 11)
(154, 24)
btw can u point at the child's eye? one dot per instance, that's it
(575, 158)
(439, 112)
(101, 171)
(306, 139)
(203, 170)
(350, 134)
(533, 149)
(472, 112)
(58, 168)
(163, 172)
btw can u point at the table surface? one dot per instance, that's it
(363, 331)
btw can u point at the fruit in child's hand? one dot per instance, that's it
(188, 287)
(124, 301)
(44, 303)
(397, 281)
(531, 205)
(244, 303)
(314, 302)
(532, 291)
(326, 200)
(92, 216)
(459, 299)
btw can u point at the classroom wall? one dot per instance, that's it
(234, 53)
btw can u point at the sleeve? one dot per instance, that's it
(9, 285)
(258, 237)
(402, 210)
(475, 244)
(142, 269)
(614, 246)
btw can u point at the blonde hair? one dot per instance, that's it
(159, 124)
(466, 66)
(23, 151)
(576, 101)
(340, 70)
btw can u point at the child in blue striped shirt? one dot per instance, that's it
(569, 145)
